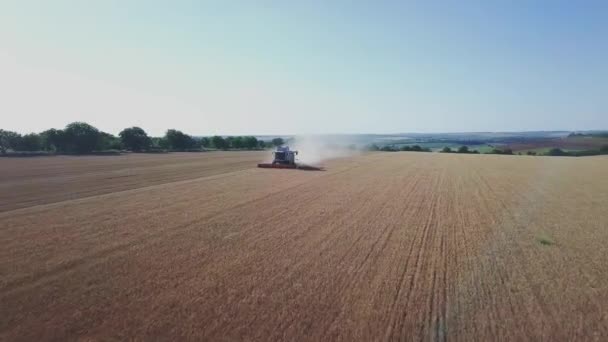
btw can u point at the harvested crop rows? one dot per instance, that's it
(381, 246)
(30, 181)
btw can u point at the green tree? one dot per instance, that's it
(109, 142)
(53, 140)
(160, 143)
(463, 149)
(278, 142)
(219, 142)
(80, 137)
(177, 140)
(446, 149)
(504, 151)
(388, 148)
(135, 139)
(31, 142)
(556, 152)
(229, 142)
(197, 143)
(9, 140)
(250, 142)
(237, 142)
(205, 142)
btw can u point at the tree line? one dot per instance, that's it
(391, 148)
(461, 149)
(81, 138)
(583, 153)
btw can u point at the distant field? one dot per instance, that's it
(569, 143)
(521, 144)
(381, 246)
(438, 146)
(545, 150)
(481, 148)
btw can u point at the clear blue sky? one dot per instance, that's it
(231, 67)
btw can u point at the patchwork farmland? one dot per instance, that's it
(380, 246)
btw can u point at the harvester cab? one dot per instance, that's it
(284, 156)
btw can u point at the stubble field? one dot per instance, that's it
(380, 246)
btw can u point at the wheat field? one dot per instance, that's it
(379, 246)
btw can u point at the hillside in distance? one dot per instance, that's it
(517, 141)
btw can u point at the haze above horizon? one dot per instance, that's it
(304, 68)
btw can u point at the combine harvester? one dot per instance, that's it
(284, 158)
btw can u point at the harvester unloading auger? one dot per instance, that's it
(284, 158)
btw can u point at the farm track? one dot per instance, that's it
(383, 246)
